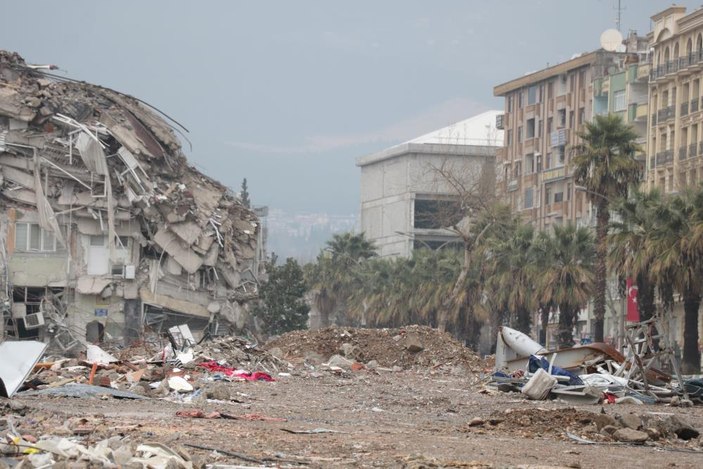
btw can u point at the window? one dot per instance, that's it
(528, 197)
(529, 163)
(510, 103)
(519, 134)
(432, 214)
(549, 125)
(619, 101)
(548, 161)
(558, 197)
(519, 100)
(509, 137)
(561, 114)
(539, 127)
(530, 128)
(532, 95)
(582, 115)
(539, 163)
(31, 237)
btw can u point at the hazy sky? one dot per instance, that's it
(288, 93)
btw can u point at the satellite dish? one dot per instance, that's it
(610, 39)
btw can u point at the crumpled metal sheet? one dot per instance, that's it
(17, 360)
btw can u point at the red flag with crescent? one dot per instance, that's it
(633, 313)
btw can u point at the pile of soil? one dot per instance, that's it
(407, 347)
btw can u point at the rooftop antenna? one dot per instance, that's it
(618, 18)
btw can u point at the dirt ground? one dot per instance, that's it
(428, 411)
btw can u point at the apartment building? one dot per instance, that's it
(406, 203)
(675, 141)
(544, 111)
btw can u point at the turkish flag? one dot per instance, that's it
(633, 313)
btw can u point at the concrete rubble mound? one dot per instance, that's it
(410, 347)
(105, 221)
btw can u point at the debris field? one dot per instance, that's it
(326, 404)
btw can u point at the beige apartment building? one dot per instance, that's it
(675, 143)
(544, 111)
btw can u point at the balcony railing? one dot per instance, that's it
(684, 109)
(692, 150)
(665, 113)
(694, 105)
(673, 66)
(664, 157)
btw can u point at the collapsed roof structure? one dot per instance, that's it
(104, 227)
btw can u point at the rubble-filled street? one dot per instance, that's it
(413, 397)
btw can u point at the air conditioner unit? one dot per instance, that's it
(117, 270)
(130, 272)
(33, 321)
(19, 310)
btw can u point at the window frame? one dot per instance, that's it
(35, 238)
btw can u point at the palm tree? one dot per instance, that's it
(677, 265)
(568, 279)
(330, 278)
(604, 163)
(631, 254)
(513, 269)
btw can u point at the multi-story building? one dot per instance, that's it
(105, 230)
(675, 141)
(544, 111)
(407, 195)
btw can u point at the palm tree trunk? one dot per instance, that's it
(645, 298)
(565, 337)
(601, 271)
(523, 321)
(691, 355)
(544, 311)
(451, 301)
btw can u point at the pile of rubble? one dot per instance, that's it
(97, 181)
(651, 428)
(593, 373)
(411, 347)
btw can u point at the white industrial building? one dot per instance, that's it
(404, 195)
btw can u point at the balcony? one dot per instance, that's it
(684, 109)
(643, 70)
(682, 153)
(692, 150)
(664, 157)
(693, 106)
(665, 114)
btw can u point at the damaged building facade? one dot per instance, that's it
(105, 229)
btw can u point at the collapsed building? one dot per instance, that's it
(105, 229)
